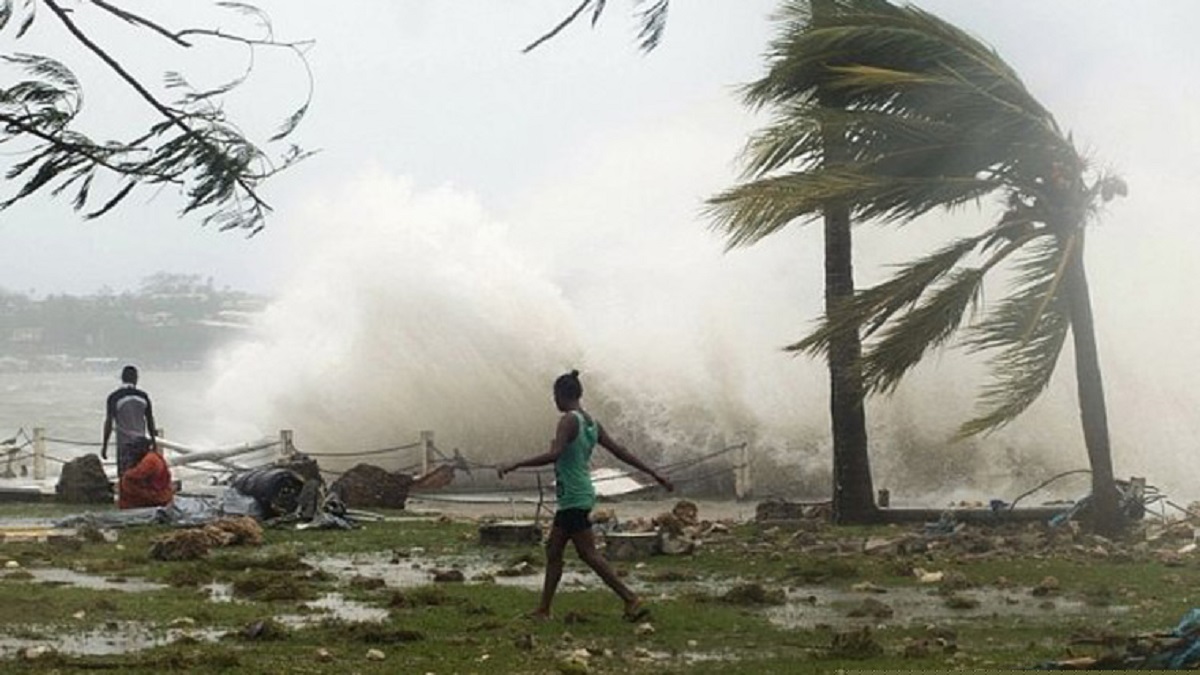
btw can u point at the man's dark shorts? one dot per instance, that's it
(573, 520)
(129, 454)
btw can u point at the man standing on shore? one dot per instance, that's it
(129, 408)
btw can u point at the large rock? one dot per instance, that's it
(83, 481)
(368, 486)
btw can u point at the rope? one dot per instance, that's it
(718, 472)
(403, 469)
(703, 458)
(17, 457)
(1043, 484)
(682, 464)
(366, 453)
(86, 444)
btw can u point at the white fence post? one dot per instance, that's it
(286, 449)
(741, 476)
(426, 450)
(39, 453)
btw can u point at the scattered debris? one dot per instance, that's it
(872, 608)
(194, 543)
(854, 644)
(956, 601)
(1178, 649)
(1046, 586)
(753, 594)
(510, 533)
(631, 545)
(276, 489)
(449, 576)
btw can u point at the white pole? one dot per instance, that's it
(426, 450)
(286, 449)
(741, 475)
(39, 453)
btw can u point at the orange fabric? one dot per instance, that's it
(147, 483)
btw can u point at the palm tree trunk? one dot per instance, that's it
(1106, 516)
(853, 490)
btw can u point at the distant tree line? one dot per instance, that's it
(170, 321)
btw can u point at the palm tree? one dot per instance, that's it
(930, 117)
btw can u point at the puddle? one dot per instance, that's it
(113, 638)
(334, 606)
(328, 606)
(65, 577)
(807, 607)
(414, 571)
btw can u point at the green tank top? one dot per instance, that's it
(573, 481)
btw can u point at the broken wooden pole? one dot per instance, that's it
(39, 453)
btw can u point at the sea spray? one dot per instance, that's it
(410, 309)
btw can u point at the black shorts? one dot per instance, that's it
(573, 520)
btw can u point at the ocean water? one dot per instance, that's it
(70, 405)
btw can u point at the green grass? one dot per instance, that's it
(481, 627)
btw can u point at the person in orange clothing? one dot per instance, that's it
(147, 482)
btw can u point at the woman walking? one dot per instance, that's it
(570, 452)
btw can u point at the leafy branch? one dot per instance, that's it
(193, 144)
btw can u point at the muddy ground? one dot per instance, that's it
(418, 593)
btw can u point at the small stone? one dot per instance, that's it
(868, 587)
(573, 666)
(644, 629)
(448, 576)
(871, 608)
(324, 655)
(956, 601)
(36, 652)
(182, 622)
(1046, 586)
(375, 655)
(79, 615)
(926, 577)
(12, 564)
(692, 644)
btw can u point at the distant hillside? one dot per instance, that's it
(171, 321)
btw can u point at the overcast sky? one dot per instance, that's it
(452, 165)
(440, 93)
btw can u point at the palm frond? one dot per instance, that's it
(872, 307)
(653, 20)
(748, 212)
(1029, 328)
(905, 341)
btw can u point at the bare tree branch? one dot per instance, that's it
(139, 20)
(558, 29)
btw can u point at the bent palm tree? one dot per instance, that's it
(929, 117)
